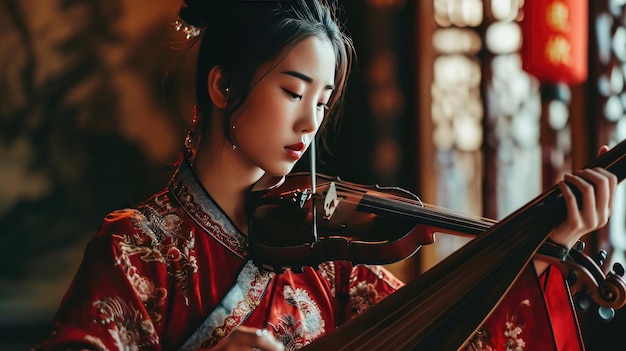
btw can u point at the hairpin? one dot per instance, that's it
(189, 29)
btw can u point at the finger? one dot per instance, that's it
(603, 149)
(246, 338)
(612, 180)
(586, 214)
(571, 205)
(269, 344)
(605, 184)
(263, 340)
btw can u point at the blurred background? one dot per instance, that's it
(474, 105)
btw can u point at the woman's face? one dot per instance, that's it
(285, 107)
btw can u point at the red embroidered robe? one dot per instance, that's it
(151, 275)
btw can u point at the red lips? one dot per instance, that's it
(296, 147)
(295, 151)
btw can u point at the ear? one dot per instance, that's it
(218, 87)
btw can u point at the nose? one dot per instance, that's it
(310, 119)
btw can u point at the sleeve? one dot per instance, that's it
(113, 302)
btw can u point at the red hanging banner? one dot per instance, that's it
(555, 36)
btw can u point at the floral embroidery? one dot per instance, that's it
(362, 296)
(129, 330)
(96, 342)
(327, 270)
(161, 239)
(150, 296)
(294, 333)
(514, 327)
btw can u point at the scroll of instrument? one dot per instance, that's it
(309, 220)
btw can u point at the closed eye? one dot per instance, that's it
(293, 95)
(297, 97)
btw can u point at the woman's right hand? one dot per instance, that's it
(248, 339)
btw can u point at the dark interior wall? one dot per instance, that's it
(94, 101)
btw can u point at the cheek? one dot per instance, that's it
(257, 122)
(268, 114)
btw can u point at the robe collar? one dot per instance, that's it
(200, 206)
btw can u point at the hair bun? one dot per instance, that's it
(203, 13)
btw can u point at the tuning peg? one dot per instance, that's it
(582, 301)
(600, 257)
(618, 269)
(606, 313)
(580, 246)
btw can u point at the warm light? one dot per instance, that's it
(443, 137)
(558, 50)
(557, 17)
(459, 13)
(558, 114)
(456, 109)
(456, 69)
(617, 79)
(604, 86)
(619, 43)
(456, 40)
(503, 37)
(524, 130)
(468, 133)
(613, 109)
(505, 10)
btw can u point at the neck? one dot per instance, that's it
(225, 177)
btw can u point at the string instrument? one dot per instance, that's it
(382, 225)
(425, 314)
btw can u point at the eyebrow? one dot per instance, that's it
(306, 78)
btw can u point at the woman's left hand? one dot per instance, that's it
(597, 187)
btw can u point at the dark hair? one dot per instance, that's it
(240, 36)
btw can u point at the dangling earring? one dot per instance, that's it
(232, 127)
(189, 145)
(189, 149)
(226, 93)
(231, 130)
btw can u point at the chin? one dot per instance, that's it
(279, 171)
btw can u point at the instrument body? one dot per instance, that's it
(285, 234)
(292, 227)
(383, 225)
(466, 286)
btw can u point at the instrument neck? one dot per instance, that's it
(466, 286)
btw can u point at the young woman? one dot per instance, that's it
(174, 273)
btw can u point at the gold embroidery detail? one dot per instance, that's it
(128, 327)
